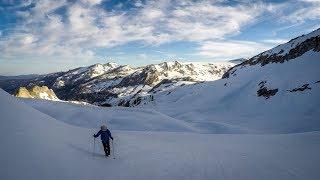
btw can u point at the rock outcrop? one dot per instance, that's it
(40, 92)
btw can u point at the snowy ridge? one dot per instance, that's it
(284, 49)
(84, 73)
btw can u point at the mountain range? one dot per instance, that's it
(111, 84)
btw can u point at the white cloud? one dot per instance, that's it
(27, 40)
(275, 41)
(81, 20)
(138, 3)
(314, 1)
(92, 2)
(203, 21)
(304, 10)
(230, 49)
(12, 5)
(84, 28)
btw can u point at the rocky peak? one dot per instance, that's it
(111, 65)
(96, 70)
(122, 70)
(40, 92)
(99, 69)
(23, 92)
(170, 65)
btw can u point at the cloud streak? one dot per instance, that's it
(230, 49)
(305, 10)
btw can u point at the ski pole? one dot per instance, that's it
(113, 150)
(94, 146)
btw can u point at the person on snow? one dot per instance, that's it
(105, 135)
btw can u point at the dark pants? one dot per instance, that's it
(106, 147)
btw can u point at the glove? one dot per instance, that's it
(94, 136)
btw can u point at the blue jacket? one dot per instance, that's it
(104, 135)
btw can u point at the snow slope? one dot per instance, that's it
(261, 97)
(119, 118)
(37, 146)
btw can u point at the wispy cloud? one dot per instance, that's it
(303, 10)
(231, 49)
(85, 25)
(275, 41)
(91, 2)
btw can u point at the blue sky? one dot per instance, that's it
(41, 36)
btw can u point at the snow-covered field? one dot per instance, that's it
(53, 140)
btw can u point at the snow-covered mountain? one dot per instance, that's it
(119, 85)
(275, 91)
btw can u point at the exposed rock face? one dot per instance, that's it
(265, 58)
(265, 91)
(302, 88)
(23, 92)
(42, 92)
